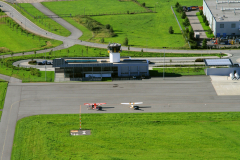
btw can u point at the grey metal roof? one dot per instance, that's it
(218, 62)
(224, 10)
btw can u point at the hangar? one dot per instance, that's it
(223, 17)
(96, 68)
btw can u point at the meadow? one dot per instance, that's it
(15, 39)
(205, 28)
(148, 30)
(41, 19)
(129, 136)
(3, 90)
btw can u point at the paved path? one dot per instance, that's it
(196, 25)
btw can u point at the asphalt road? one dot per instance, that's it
(181, 94)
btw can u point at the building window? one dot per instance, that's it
(233, 25)
(221, 25)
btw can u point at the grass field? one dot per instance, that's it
(3, 90)
(129, 136)
(142, 30)
(205, 28)
(45, 23)
(16, 40)
(86, 7)
(174, 72)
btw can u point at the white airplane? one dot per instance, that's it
(132, 105)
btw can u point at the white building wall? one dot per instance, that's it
(207, 12)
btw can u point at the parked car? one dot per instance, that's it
(39, 63)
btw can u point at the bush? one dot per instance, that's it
(107, 26)
(199, 60)
(187, 30)
(171, 31)
(111, 30)
(102, 40)
(201, 12)
(125, 43)
(127, 12)
(143, 4)
(183, 16)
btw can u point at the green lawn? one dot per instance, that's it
(173, 72)
(45, 23)
(14, 40)
(0, 115)
(205, 28)
(129, 136)
(143, 30)
(92, 7)
(3, 90)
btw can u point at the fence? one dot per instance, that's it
(180, 26)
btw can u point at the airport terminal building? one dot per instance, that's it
(95, 68)
(223, 17)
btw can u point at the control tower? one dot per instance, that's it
(114, 50)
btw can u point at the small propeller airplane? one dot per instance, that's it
(94, 105)
(132, 105)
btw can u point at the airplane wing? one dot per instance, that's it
(138, 103)
(133, 103)
(88, 104)
(100, 104)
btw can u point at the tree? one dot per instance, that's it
(201, 12)
(171, 31)
(176, 5)
(191, 34)
(143, 4)
(186, 22)
(187, 30)
(183, 16)
(180, 9)
(209, 31)
(204, 44)
(35, 53)
(125, 43)
(204, 19)
(206, 23)
(107, 26)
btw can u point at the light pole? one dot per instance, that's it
(163, 62)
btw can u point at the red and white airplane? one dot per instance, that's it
(94, 105)
(132, 105)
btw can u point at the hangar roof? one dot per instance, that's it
(218, 62)
(224, 10)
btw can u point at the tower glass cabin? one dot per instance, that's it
(114, 50)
